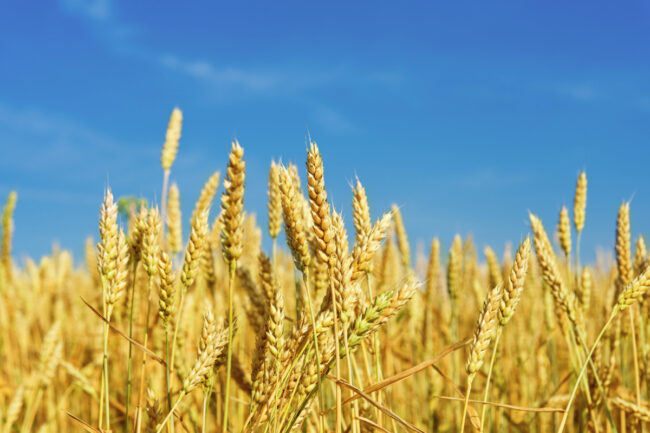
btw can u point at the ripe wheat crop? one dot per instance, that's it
(332, 332)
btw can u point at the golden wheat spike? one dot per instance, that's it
(232, 204)
(580, 202)
(623, 247)
(172, 137)
(564, 231)
(275, 201)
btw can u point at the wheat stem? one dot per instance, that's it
(171, 412)
(486, 394)
(144, 358)
(105, 362)
(466, 405)
(130, 358)
(231, 283)
(163, 210)
(565, 416)
(312, 317)
(637, 380)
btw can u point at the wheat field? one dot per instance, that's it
(180, 323)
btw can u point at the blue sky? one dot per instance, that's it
(466, 114)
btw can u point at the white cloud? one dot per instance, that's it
(38, 123)
(228, 76)
(46, 143)
(334, 121)
(98, 10)
(490, 178)
(581, 91)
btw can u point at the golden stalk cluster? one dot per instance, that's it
(166, 331)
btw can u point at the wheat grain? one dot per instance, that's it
(402, 239)
(211, 345)
(107, 246)
(7, 232)
(275, 201)
(320, 212)
(454, 268)
(360, 212)
(294, 227)
(634, 290)
(515, 283)
(174, 220)
(494, 270)
(204, 202)
(232, 204)
(640, 256)
(151, 243)
(564, 299)
(586, 285)
(623, 259)
(365, 250)
(485, 329)
(564, 231)
(172, 137)
(194, 249)
(580, 202)
(167, 296)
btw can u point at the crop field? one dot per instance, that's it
(186, 323)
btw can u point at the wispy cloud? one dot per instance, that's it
(102, 19)
(258, 80)
(581, 92)
(491, 178)
(621, 92)
(49, 144)
(223, 79)
(56, 127)
(97, 10)
(253, 80)
(334, 121)
(50, 194)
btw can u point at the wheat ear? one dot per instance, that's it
(495, 277)
(623, 248)
(204, 202)
(564, 231)
(174, 221)
(402, 240)
(7, 232)
(275, 201)
(640, 255)
(580, 202)
(564, 299)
